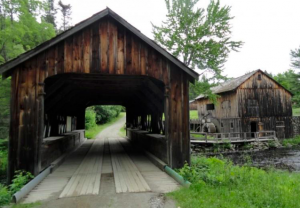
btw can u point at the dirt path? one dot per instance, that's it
(107, 196)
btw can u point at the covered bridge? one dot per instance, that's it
(102, 60)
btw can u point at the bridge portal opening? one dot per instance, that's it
(67, 96)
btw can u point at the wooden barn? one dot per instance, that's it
(102, 60)
(251, 103)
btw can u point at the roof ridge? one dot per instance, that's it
(6, 67)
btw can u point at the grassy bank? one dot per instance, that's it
(219, 183)
(92, 132)
(122, 132)
(193, 114)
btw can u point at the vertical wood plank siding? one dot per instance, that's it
(104, 47)
(255, 100)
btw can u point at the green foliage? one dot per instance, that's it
(5, 196)
(3, 164)
(4, 107)
(122, 131)
(201, 38)
(20, 27)
(105, 113)
(20, 179)
(293, 142)
(295, 55)
(219, 183)
(3, 159)
(90, 118)
(202, 87)
(290, 80)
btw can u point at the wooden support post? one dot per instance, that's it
(26, 110)
(179, 135)
(167, 120)
(81, 119)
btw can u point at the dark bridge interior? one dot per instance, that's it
(71, 94)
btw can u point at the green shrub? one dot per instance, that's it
(20, 179)
(90, 118)
(3, 163)
(105, 113)
(293, 142)
(5, 196)
(219, 183)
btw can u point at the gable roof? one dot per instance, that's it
(234, 83)
(96, 17)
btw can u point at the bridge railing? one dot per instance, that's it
(233, 136)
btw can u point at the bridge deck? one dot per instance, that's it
(81, 172)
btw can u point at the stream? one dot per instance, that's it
(282, 158)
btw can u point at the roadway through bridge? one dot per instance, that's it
(105, 172)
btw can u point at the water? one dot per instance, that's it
(282, 158)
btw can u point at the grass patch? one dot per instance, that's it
(296, 111)
(122, 132)
(201, 136)
(218, 183)
(94, 131)
(30, 205)
(293, 142)
(193, 114)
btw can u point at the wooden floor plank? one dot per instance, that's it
(87, 177)
(127, 176)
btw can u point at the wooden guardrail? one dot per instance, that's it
(203, 137)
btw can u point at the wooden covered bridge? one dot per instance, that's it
(102, 60)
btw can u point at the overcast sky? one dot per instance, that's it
(269, 28)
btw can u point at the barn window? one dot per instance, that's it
(210, 107)
(231, 125)
(259, 77)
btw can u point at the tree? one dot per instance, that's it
(50, 13)
(295, 62)
(295, 55)
(290, 80)
(66, 15)
(20, 30)
(199, 37)
(202, 87)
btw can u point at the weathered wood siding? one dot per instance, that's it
(263, 98)
(104, 47)
(226, 107)
(259, 100)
